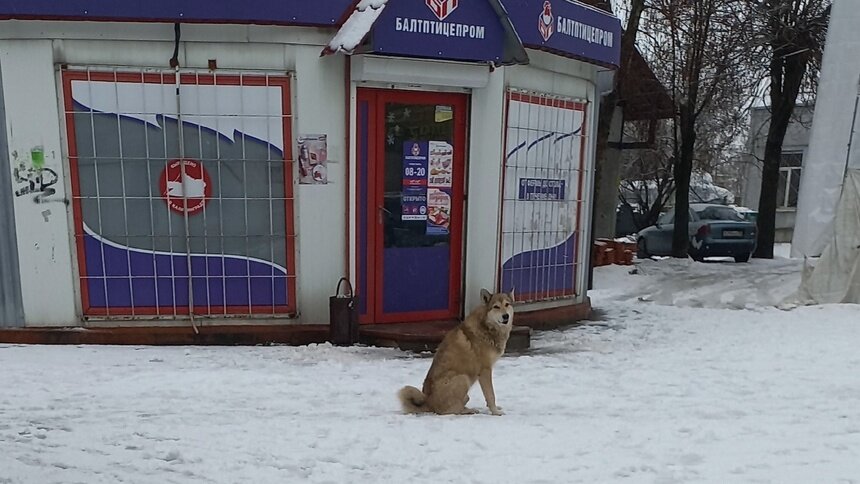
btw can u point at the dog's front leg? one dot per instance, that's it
(486, 381)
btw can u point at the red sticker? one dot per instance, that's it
(189, 194)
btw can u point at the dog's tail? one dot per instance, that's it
(412, 399)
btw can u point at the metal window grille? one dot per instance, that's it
(182, 192)
(542, 196)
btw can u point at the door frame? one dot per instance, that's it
(370, 111)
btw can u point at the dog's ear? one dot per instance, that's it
(485, 295)
(511, 295)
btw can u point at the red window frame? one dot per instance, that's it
(284, 82)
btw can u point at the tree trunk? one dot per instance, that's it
(604, 121)
(767, 201)
(607, 177)
(786, 77)
(682, 171)
(605, 186)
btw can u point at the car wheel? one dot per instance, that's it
(742, 258)
(642, 249)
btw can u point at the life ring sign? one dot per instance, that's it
(185, 193)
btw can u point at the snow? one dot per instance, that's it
(683, 387)
(686, 283)
(782, 250)
(356, 27)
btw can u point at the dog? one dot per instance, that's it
(466, 354)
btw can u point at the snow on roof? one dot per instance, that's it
(356, 27)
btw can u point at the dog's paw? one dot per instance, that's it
(468, 411)
(497, 411)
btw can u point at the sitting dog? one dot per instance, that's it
(467, 353)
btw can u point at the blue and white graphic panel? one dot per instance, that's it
(541, 211)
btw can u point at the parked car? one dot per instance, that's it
(715, 231)
(748, 214)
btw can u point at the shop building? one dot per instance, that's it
(190, 162)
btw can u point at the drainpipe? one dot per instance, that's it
(174, 63)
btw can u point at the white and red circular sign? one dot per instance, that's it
(188, 194)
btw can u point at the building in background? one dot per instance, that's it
(795, 148)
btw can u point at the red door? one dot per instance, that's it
(411, 172)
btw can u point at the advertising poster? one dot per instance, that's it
(441, 164)
(541, 189)
(313, 159)
(438, 211)
(414, 163)
(541, 227)
(428, 173)
(413, 205)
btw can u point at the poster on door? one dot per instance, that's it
(428, 172)
(414, 163)
(441, 166)
(438, 211)
(413, 205)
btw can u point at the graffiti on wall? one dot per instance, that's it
(35, 179)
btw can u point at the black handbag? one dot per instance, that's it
(343, 316)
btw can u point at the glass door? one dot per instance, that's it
(416, 161)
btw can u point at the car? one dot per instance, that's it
(748, 214)
(715, 231)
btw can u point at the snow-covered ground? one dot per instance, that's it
(720, 388)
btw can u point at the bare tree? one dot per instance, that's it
(610, 101)
(609, 118)
(646, 175)
(792, 35)
(703, 44)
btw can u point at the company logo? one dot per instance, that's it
(185, 192)
(416, 150)
(545, 21)
(442, 8)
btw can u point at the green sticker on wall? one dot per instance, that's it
(37, 155)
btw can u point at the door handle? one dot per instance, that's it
(380, 211)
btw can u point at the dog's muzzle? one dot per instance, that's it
(505, 318)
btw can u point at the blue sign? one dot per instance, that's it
(276, 12)
(567, 28)
(415, 155)
(447, 29)
(413, 203)
(469, 30)
(541, 189)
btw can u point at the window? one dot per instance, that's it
(163, 231)
(720, 213)
(789, 180)
(668, 218)
(542, 198)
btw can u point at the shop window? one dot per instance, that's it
(182, 198)
(542, 206)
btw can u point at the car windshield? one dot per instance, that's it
(720, 213)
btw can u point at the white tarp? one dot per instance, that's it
(824, 162)
(836, 276)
